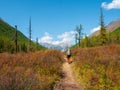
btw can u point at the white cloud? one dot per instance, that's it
(63, 40)
(95, 29)
(115, 4)
(46, 38)
(66, 38)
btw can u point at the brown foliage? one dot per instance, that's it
(99, 67)
(30, 71)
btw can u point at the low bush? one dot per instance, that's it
(98, 68)
(30, 71)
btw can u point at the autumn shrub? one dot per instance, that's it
(98, 68)
(30, 71)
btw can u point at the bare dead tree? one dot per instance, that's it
(16, 40)
(30, 35)
(76, 35)
(37, 42)
(79, 34)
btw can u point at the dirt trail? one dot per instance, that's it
(69, 81)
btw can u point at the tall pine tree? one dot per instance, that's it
(103, 32)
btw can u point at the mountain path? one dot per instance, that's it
(69, 81)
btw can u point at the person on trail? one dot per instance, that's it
(68, 55)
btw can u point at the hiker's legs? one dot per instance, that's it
(68, 59)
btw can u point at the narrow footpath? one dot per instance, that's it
(69, 82)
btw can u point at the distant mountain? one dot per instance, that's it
(51, 46)
(113, 25)
(7, 38)
(110, 27)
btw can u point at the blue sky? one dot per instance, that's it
(54, 21)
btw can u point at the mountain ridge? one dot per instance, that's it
(7, 39)
(110, 27)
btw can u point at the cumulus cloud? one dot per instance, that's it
(62, 40)
(95, 29)
(115, 4)
(46, 38)
(66, 38)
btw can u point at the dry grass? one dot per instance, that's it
(31, 71)
(98, 68)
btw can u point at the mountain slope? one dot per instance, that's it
(7, 35)
(113, 36)
(110, 27)
(8, 32)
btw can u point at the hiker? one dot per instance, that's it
(68, 55)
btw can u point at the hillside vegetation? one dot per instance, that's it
(112, 38)
(98, 68)
(31, 71)
(115, 36)
(8, 32)
(7, 39)
(109, 34)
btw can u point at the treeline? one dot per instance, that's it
(112, 38)
(13, 41)
(104, 38)
(9, 46)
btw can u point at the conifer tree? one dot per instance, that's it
(103, 32)
(86, 41)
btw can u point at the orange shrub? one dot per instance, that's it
(30, 71)
(98, 67)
